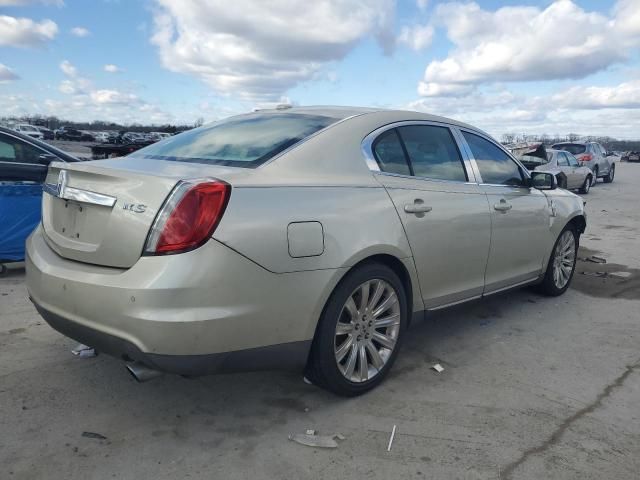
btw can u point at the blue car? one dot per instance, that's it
(23, 167)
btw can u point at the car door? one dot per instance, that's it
(20, 161)
(443, 210)
(576, 171)
(563, 165)
(519, 214)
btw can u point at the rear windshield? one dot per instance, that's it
(246, 141)
(532, 162)
(574, 148)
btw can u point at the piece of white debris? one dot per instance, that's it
(393, 434)
(312, 440)
(84, 351)
(438, 368)
(307, 381)
(310, 432)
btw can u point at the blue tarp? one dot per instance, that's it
(20, 205)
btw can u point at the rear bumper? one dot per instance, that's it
(196, 312)
(274, 357)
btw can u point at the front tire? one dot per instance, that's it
(611, 174)
(562, 263)
(360, 331)
(586, 186)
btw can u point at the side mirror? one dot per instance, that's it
(46, 158)
(543, 181)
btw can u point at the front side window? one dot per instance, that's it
(572, 160)
(389, 153)
(496, 167)
(246, 141)
(433, 152)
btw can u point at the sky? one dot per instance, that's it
(512, 66)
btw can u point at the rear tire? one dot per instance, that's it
(586, 186)
(344, 323)
(562, 263)
(611, 174)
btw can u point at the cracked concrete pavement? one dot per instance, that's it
(533, 388)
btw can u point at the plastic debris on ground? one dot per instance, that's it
(596, 259)
(438, 368)
(311, 439)
(97, 436)
(595, 274)
(84, 351)
(393, 435)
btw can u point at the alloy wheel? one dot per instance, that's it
(367, 330)
(564, 259)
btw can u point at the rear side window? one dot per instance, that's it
(433, 152)
(496, 167)
(574, 148)
(389, 153)
(246, 141)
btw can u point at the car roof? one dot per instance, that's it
(343, 112)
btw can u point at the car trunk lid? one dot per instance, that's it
(100, 212)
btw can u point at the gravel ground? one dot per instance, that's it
(533, 388)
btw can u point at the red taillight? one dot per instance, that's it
(189, 216)
(587, 157)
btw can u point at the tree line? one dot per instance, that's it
(54, 122)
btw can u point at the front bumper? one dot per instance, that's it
(191, 313)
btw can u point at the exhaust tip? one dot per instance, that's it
(141, 372)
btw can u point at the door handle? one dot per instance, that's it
(503, 206)
(417, 208)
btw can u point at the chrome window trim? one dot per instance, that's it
(473, 160)
(366, 148)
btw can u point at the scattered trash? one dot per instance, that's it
(595, 259)
(83, 351)
(438, 368)
(97, 436)
(595, 274)
(393, 434)
(310, 439)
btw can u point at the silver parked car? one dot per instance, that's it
(301, 237)
(592, 155)
(562, 164)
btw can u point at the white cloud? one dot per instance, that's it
(422, 4)
(68, 68)
(417, 37)
(624, 95)
(80, 32)
(24, 32)
(527, 43)
(112, 97)
(111, 68)
(257, 50)
(6, 74)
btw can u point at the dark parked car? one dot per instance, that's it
(23, 167)
(47, 133)
(68, 133)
